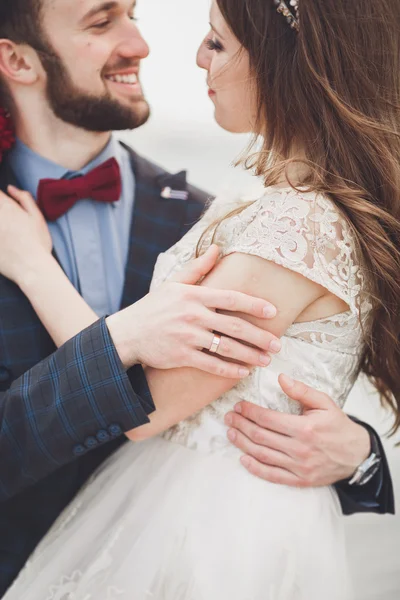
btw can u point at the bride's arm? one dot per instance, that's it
(191, 389)
(26, 259)
(61, 309)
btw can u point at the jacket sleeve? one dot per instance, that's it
(79, 397)
(377, 495)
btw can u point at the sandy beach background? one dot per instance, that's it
(182, 135)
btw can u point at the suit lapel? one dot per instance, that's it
(156, 224)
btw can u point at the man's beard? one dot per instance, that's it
(72, 105)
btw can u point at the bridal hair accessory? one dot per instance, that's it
(7, 134)
(215, 343)
(292, 19)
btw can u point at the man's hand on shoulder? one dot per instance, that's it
(320, 447)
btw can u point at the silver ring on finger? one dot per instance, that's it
(215, 344)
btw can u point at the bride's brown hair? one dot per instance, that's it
(333, 90)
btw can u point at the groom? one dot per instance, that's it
(69, 75)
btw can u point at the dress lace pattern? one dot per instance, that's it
(305, 233)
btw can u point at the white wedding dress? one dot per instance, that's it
(177, 517)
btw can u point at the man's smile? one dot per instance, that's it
(126, 80)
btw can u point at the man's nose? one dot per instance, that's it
(134, 45)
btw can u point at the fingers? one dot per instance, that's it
(198, 268)
(260, 436)
(239, 329)
(290, 425)
(24, 199)
(237, 302)
(238, 352)
(310, 398)
(216, 366)
(271, 474)
(265, 455)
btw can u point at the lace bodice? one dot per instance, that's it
(303, 232)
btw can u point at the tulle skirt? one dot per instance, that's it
(160, 521)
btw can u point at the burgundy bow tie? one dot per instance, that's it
(55, 197)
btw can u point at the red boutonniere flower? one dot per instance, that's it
(7, 134)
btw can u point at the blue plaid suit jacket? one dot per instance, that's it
(63, 412)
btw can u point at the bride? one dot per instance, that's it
(175, 516)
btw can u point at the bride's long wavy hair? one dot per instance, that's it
(333, 90)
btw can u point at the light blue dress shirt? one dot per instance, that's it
(92, 239)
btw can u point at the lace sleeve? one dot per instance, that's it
(302, 232)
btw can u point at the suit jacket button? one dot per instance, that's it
(91, 442)
(115, 430)
(5, 374)
(79, 450)
(102, 436)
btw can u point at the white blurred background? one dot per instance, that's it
(183, 135)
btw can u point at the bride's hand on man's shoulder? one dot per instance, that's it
(25, 239)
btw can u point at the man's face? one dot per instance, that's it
(92, 63)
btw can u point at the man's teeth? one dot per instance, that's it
(130, 79)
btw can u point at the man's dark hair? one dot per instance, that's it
(20, 22)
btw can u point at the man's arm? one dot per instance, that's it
(321, 447)
(78, 398)
(376, 495)
(85, 394)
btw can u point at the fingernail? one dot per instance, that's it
(245, 460)
(238, 408)
(228, 419)
(287, 380)
(265, 359)
(244, 372)
(231, 435)
(275, 346)
(269, 311)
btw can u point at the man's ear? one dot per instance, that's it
(19, 63)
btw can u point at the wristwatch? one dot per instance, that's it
(370, 466)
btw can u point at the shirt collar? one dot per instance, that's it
(30, 167)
